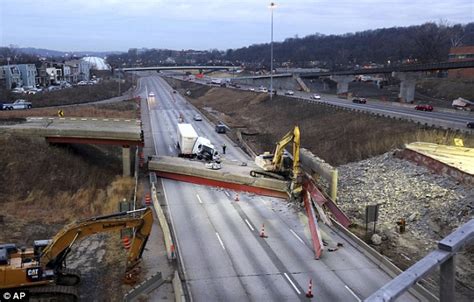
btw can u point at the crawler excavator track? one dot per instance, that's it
(53, 293)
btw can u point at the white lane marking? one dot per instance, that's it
(220, 240)
(105, 119)
(62, 118)
(250, 226)
(94, 119)
(116, 120)
(296, 235)
(51, 118)
(83, 119)
(127, 120)
(227, 193)
(199, 198)
(292, 284)
(73, 118)
(352, 293)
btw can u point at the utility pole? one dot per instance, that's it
(272, 6)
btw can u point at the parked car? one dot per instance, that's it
(424, 107)
(251, 89)
(197, 117)
(18, 90)
(289, 92)
(470, 124)
(18, 104)
(33, 91)
(53, 88)
(82, 83)
(359, 100)
(263, 89)
(316, 97)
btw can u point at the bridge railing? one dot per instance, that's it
(443, 256)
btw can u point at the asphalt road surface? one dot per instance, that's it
(223, 256)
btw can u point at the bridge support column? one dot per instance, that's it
(407, 85)
(342, 83)
(126, 163)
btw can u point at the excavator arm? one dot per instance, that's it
(54, 254)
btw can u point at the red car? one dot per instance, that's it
(424, 107)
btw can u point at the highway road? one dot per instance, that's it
(454, 120)
(222, 255)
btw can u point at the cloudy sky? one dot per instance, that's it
(204, 24)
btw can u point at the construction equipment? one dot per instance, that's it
(42, 269)
(276, 165)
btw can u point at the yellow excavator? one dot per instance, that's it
(277, 165)
(41, 269)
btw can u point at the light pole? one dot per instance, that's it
(272, 6)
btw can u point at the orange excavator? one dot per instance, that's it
(42, 270)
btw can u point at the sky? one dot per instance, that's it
(106, 25)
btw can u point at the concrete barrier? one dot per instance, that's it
(178, 288)
(315, 165)
(169, 245)
(383, 263)
(144, 288)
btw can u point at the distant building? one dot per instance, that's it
(10, 76)
(80, 70)
(28, 74)
(459, 54)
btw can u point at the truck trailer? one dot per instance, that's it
(191, 145)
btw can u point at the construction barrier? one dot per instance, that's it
(170, 249)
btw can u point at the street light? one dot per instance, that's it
(272, 6)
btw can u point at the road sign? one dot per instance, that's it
(371, 215)
(60, 113)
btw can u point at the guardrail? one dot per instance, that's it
(145, 287)
(444, 257)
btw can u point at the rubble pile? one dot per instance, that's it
(432, 205)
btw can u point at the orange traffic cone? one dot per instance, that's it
(262, 232)
(147, 199)
(309, 294)
(236, 197)
(126, 242)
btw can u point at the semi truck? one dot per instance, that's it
(192, 145)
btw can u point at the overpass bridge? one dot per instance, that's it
(407, 74)
(191, 67)
(82, 130)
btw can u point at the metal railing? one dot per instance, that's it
(444, 257)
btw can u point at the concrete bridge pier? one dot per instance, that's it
(342, 83)
(126, 162)
(407, 85)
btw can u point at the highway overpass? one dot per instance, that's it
(83, 130)
(191, 67)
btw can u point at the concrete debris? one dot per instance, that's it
(376, 239)
(432, 206)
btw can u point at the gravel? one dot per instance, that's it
(432, 206)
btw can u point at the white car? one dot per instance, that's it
(18, 90)
(289, 92)
(263, 89)
(251, 89)
(316, 97)
(82, 83)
